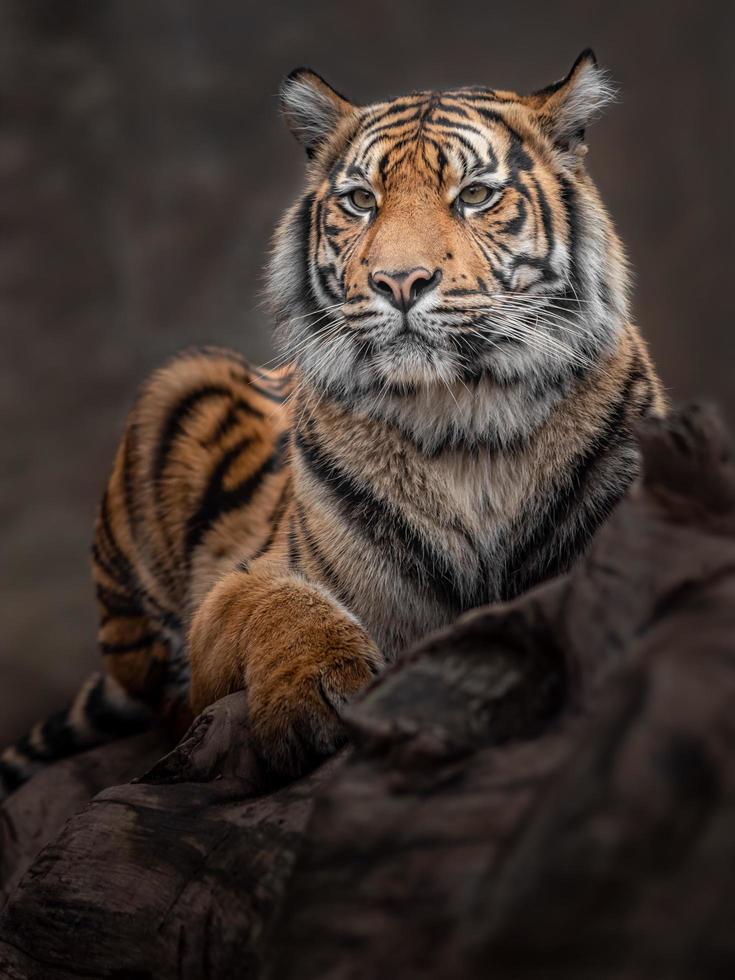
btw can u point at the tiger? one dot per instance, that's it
(450, 420)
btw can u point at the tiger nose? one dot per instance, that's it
(402, 289)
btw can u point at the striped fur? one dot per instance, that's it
(419, 453)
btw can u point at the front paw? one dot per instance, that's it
(307, 661)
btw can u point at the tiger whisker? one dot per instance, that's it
(317, 337)
(539, 339)
(542, 344)
(557, 320)
(522, 330)
(553, 318)
(514, 304)
(322, 309)
(509, 293)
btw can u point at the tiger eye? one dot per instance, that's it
(363, 200)
(474, 194)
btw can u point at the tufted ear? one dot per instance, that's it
(568, 106)
(312, 107)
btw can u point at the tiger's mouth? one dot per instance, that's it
(411, 344)
(411, 358)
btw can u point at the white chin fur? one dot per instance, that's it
(413, 362)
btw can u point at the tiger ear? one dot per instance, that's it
(312, 107)
(567, 107)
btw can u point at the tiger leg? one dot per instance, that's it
(134, 651)
(298, 654)
(142, 651)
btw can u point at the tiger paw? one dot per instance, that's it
(308, 658)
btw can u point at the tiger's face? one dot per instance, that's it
(446, 237)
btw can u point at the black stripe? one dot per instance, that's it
(518, 159)
(142, 643)
(545, 215)
(117, 604)
(112, 720)
(129, 484)
(108, 569)
(379, 135)
(274, 382)
(450, 106)
(216, 501)
(327, 572)
(457, 127)
(230, 419)
(575, 510)
(225, 424)
(275, 521)
(302, 232)
(513, 225)
(459, 291)
(470, 157)
(569, 202)
(118, 567)
(474, 95)
(175, 423)
(378, 117)
(274, 396)
(384, 526)
(120, 612)
(326, 286)
(114, 556)
(386, 164)
(293, 546)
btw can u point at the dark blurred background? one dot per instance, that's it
(142, 168)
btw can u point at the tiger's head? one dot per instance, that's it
(446, 237)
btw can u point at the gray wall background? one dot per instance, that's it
(142, 168)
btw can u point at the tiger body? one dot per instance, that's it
(406, 540)
(454, 420)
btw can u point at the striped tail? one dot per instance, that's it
(101, 712)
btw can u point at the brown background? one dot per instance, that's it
(142, 167)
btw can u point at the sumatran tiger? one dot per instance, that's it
(451, 422)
